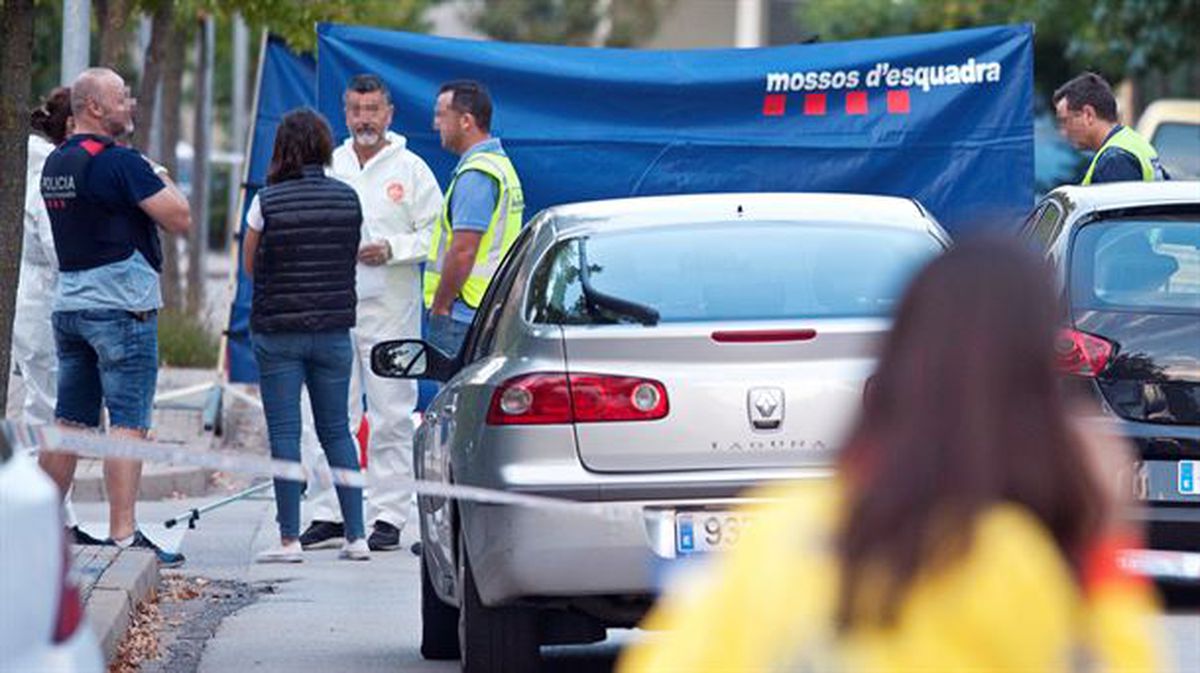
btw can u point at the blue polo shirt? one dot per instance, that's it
(471, 206)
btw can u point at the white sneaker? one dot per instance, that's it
(288, 553)
(355, 551)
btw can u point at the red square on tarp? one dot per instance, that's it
(814, 104)
(856, 103)
(774, 105)
(897, 102)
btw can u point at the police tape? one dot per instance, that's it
(1159, 564)
(58, 439)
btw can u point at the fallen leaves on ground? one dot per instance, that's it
(141, 641)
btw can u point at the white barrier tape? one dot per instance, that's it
(52, 438)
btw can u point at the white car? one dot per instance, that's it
(42, 624)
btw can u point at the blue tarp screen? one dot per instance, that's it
(946, 118)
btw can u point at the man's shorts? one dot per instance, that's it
(106, 356)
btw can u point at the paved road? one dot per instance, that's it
(332, 615)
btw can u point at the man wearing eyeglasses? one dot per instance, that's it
(400, 201)
(1087, 116)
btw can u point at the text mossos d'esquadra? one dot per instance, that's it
(885, 74)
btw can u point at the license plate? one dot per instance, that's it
(1163, 480)
(1189, 477)
(704, 531)
(1161, 564)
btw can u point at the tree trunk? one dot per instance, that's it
(16, 55)
(172, 98)
(162, 31)
(114, 33)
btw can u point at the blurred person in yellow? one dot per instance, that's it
(973, 525)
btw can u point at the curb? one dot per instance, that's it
(158, 482)
(130, 579)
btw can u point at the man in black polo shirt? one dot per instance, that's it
(103, 201)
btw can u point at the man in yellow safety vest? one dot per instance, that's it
(480, 217)
(1087, 115)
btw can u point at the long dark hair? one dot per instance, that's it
(50, 119)
(302, 139)
(964, 412)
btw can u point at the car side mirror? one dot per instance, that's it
(411, 359)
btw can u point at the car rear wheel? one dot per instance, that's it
(493, 640)
(439, 622)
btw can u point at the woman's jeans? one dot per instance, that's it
(321, 361)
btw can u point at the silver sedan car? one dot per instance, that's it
(663, 353)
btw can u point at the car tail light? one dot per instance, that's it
(70, 603)
(1082, 354)
(549, 398)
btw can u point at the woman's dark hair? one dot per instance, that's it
(51, 118)
(963, 413)
(302, 139)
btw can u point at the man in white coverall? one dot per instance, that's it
(400, 202)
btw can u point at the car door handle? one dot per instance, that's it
(449, 409)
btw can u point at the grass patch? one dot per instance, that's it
(184, 342)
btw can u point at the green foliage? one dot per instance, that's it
(1117, 38)
(573, 22)
(183, 341)
(1141, 35)
(295, 20)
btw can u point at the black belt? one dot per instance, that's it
(143, 316)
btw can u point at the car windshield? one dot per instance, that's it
(727, 271)
(1137, 264)
(1178, 147)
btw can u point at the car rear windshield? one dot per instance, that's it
(1178, 148)
(1137, 264)
(727, 272)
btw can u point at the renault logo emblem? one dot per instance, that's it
(766, 408)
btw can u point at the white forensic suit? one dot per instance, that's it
(400, 202)
(33, 350)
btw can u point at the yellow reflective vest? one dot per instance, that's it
(502, 229)
(1010, 605)
(1129, 140)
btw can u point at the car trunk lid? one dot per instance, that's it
(756, 395)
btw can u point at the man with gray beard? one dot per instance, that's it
(400, 201)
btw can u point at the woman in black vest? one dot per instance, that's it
(300, 248)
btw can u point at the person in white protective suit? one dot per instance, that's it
(33, 338)
(400, 200)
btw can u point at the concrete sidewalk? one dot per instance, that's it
(112, 582)
(175, 422)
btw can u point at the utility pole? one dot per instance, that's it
(201, 173)
(76, 39)
(241, 64)
(748, 30)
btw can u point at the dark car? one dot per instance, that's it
(1128, 258)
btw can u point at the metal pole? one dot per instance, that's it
(241, 58)
(201, 174)
(193, 515)
(749, 24)
(76, 39)
(235, 249)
